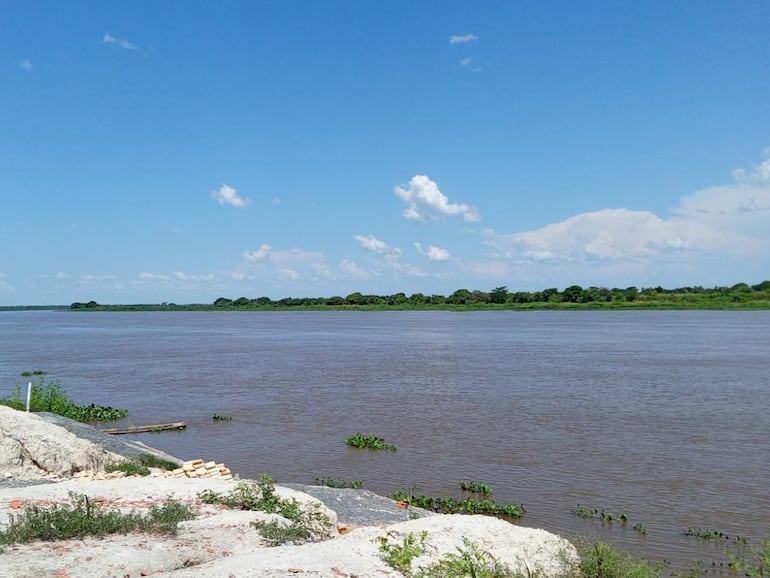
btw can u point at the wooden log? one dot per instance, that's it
(178, 425)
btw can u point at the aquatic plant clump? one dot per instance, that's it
(360, 440)
(449, 505)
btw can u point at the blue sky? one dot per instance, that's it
(184, 151)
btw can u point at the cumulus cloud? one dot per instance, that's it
(719, 224)
(291, 265)
(425, 202)
(259, 254)
(350, 270)
(463, 38)
(372, 243)
(122, 42)
(759, 174)
(227, 195)
(432, 252)
(24, 64)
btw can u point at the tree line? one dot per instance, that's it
(739, 295)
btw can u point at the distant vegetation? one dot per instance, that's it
(740, 296)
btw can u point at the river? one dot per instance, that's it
(662, 415)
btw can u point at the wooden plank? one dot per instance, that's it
(146, 428)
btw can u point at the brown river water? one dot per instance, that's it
(662, 415)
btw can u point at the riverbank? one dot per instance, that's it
(47, 461)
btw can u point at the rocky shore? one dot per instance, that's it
(46, 459)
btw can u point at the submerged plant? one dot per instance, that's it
(476, 488)
(332, 483)
(604, 515)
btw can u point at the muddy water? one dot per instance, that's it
(662, 415)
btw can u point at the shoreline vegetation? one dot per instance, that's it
(574, 297)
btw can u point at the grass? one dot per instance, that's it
(303, 524)
(600, 560)
(360, 440)
(139, 466)
(469, 561)
(85, 517)
(49, 396)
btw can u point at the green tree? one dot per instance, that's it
(499, 295)
(355, 299)
(459, 297)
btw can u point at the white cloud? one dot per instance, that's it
(227, 195)
(759, 174)
(261, 253)
(469, 64)
(432, 252)
(351, 270)
(727, 224)
(144, 276)
(463, 38)
(123, 43)
(292, 264)
(425, 202)
(372, 243)
(180, 276)
(24, 63)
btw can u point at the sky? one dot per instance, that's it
(184, 151)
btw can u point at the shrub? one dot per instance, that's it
(400, 556)
(50, 397)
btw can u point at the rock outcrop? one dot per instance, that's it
(32, 448)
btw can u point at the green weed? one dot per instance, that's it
(304, 523)
(476, 488)
(139, 466)
(360, 440)
(50, 397)
(449, 505)
(85, 517)
(332, 483)
(601, 560)
(469, 561)
(400, 555)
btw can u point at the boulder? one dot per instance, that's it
(32, 448)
